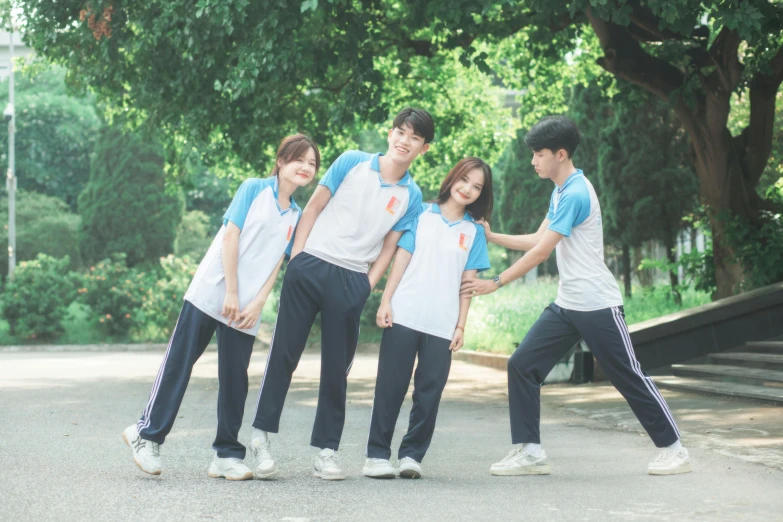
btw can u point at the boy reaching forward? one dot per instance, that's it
(345, 241)
(589, 306)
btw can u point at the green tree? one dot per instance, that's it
(55, 134)
(44, 225)
(639, 154)
(125, 207)
(241, 73)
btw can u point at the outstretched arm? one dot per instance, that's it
(534, 257)
(523, 242)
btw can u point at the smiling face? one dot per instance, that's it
(405, 145)
(468, 187)
(301, 170)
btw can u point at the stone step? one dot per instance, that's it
(766, 361)
(746, 391)
(764, 347)
(735, 374)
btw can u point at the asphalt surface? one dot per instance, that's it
(64, 459)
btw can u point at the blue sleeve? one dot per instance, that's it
(572, 209)
(478, 258)
(414, 210)
(341, 167)
(243, 199)
(408, 239)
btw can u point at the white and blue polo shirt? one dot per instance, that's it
(586, 284)
(363, 209)
(267, 233)
(427, 298)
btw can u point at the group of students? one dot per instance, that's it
(367, 210)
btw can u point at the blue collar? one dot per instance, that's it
(280, 209)
(375, 165)
(435, 208)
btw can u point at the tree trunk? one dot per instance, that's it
(725, 189)
(674, 279)
(627, 270)
(728, 167)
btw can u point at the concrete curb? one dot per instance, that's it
(98, 348)
(491, 360)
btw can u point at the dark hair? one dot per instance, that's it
(293, 147)
(419, 119)
(554, 133)
(482, 207)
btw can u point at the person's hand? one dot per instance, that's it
(458, 340)
(231, 307)
(249, 316)
(487, 231)
(475, 287)
(384, 316)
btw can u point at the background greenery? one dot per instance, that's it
(138, 120)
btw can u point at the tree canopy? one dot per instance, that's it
(231, 75)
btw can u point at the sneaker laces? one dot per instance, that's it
(665, 455)
(141, 444)
(262, 451)
(329, 458)
(513, 454)
(236, 461)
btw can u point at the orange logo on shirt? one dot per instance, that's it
(393, 205)
(290, 233)
(462, 239)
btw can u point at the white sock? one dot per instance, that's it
(677, 446)
(258, 434)
(532, 449)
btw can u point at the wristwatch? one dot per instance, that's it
(497, 281)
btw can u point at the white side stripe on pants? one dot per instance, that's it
(269, 356)
(649, 384)
(154, 393)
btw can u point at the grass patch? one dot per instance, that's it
(498, 322)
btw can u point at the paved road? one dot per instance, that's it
(63, 457)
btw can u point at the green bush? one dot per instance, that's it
(164, 298)
(35, 301)
(44, 225)
(115, 295)
(194, 235)
(759, 248)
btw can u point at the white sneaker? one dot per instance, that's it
(519, 462)
(264, 465)
(670, 462)
(409, 468)
(146, 454)
(379, 468)
(326, 466)
(230, 468)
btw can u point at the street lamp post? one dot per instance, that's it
(10, 179)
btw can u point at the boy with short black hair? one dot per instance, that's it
(588, 306)
(345, 241)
